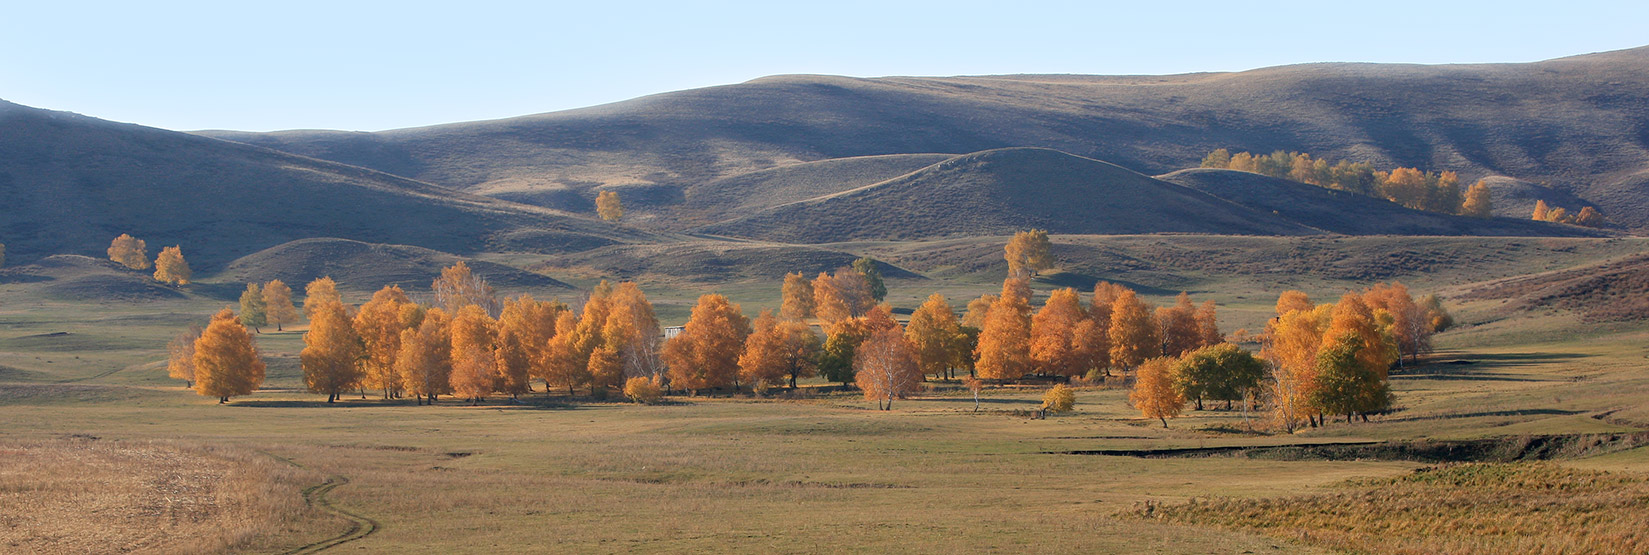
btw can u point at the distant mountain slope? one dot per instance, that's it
(1579, 123)
(1002, 191)
(71, 183)
(367, 267)
(761, 189)
(1348, 213)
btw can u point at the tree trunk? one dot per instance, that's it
(1199, 402)
(1164, 421)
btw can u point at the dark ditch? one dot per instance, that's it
(1499, 449)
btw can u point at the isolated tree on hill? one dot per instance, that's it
(1223, 372)
(885, 368)
(797, 294)
(252, 313)
(1541, 211)
(1154, 393)
(524, 330)
(226, 359)
(378, 322)
(608, 206)
(474, 335)
(1133, 332)
(1590, 217)
(1053, 334)
(866, 266)
(180, 360)
(171, 268)
(706, 353)
(1478, 202)
(424, 362)
(130, 252)
(1004, 351)
(277, 301)
(320, 292)
(1028, 253)
(933, 333)
(458, 286)
(1178, 326)
(332, 353)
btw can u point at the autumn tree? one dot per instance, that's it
(842, 339)
(277, 302)
(1353, 315)
(1223, 372)
(1054, 348)
(252, 307)
(180, 359)
(706, 353)
(797, 294)
(830, 303)
(1105, 295)
(474, 365)
(866, 266)
(321, 292)
(885, 368)
(332, 353)
(458, 287)
(1028, 253)
(1059, 398)
(1348, 384)
(1004, 351)
(1439, 317)
(608, 206)
(778, 349)
(1541, 211)
(933, 333)
(978, 310)
(1478, 203)
(1411, 324)
(1590, 217)
(643, 391)
(1154, 393)
(1133, 332)
(424, 362)
(525, 327)
(1208, 325)
(171, 268)
(1178, 326)
(226, 359)
(1292, 340)
(606, 370)
(1091, 346)
(632, 329)
(378, 322)
(564, 365)
(1292, 300)
(130, 252)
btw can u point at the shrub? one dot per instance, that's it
(1059, 399)
(642, 390)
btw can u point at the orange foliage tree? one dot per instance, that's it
(564, 365)
(425, 360)
(320, 292)
(379, 324)
(332, 353)
(933, 333)
(885, 368)
(1004, 350)
(226, 359)
(1028, 253)
(1133, 332)
(608, 206)
(1154, 393)
(1054, 344)
(525, 327)
(277, 301)
(180, 359)
(171, 268)
(706, 353)
(474, 365)
(797, 298)
(1178, 326)
(1478, 202)
(458, 286)
(130, 252)
(633, 331)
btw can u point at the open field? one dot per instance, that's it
(822, 472)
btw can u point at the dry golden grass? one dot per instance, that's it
(99, 496)
(1466, 508)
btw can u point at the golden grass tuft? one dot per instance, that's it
(1462, 508)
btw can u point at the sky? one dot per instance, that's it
(368, 65)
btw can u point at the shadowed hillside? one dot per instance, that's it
(1578, 123)
(741, 194)
(367, 267)
(1000, 191)
(1616, 290)
(1350, 213)
(71, 183)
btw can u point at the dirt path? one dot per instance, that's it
(315, 496)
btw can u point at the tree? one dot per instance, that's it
(885, 368)
(332, 353)
(1053, 335)
(643, 391)
(1411, 324)
(525, 328)
(866, 266)
(1439, 317)
(1154, 393)
(1178, 326)
(474, 337)
(226, 359)
(1292, 340)
(1590, 217)
(277, 301)
(761, 364)
(1348, 384)
(458, 287)
(130, 252)
(171, 268)
(706, 353)
(1478, 203)
(1004, 350)
(1058, 399)
(1223, 372)
(1291, 301)
(606, 369)
(830, 303)
(1218, 159)
(978, 310)
(1091, 346)
(1353, 315)
(252, 306)
(425, 360)
(1541, 211)
(378, 322)
(180, 359)
(975, 386)
(1105, 295)
(841, 341)
(320, 292)
(1133, 331)
(608, 206)
(564, 365)
(933, 333)
(797, 296)
(856, 291)
(1208, 325)
(632, 329)
(1028, 253)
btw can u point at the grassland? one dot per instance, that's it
(824, 472)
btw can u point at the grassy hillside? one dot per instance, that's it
(1576, 123)
(1001, 191)
(72, 183)
(367, 267)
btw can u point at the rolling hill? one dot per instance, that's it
(367, 267)
(1580, 123)
(71, 183)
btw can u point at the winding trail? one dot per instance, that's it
(315, 496)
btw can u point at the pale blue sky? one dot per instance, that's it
(381, 65)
